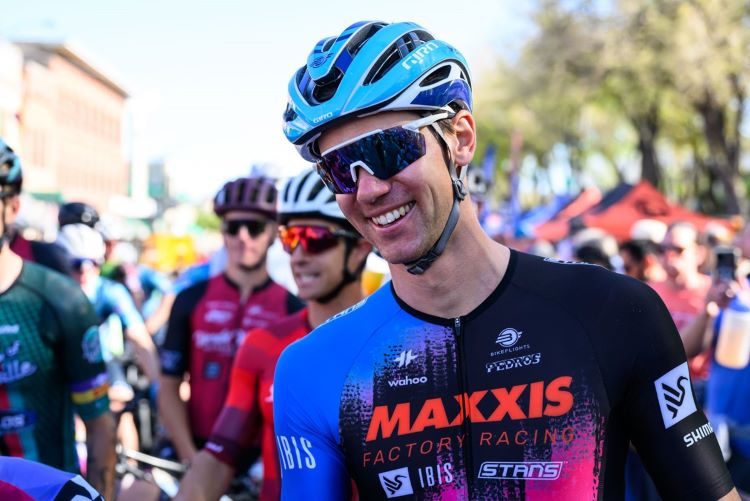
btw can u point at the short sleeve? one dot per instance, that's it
(82, 356)
(668, 428)
(174, 353)
(310, 459)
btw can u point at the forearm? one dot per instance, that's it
(173, 412)
(145, 351)
(207, 479)
(696, 334)
(100, 445)
(161, 315)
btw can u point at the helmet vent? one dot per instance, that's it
(436, 76)
(328, 44)
(359, 40)
(326, 89)
(395, 53)
(289, 114)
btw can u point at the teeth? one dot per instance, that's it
(393, 215)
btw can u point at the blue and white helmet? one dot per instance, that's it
(372, 67)
(305, 195)
(11, 174)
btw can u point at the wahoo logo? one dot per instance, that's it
(675, 395)
(396, 483)
(407, 381)
(419, 54)
(405, 358)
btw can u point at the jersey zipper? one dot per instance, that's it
(465, 425)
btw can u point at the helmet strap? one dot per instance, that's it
(347, 276)
(420, 265)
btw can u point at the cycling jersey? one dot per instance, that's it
(45, 253)
(50, 359)
(22, 480)
(533, 395)
(250, 398)
(112, 298)
(206, 326)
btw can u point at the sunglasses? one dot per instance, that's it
(313, 239)
(382, 153)
(672, 248)
(254, 227)
(79, 263)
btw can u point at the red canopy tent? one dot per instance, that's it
(626, 204)
(558, 227)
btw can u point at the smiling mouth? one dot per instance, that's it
(305, 278)
(392, 216)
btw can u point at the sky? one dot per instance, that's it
(208, 79)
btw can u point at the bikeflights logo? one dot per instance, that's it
(675, 395)
(508, 337)
(396, 483)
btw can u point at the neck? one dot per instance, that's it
(247, 281)
(461, 278)
(10, 267)
(350, 295)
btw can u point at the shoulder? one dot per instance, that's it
(193, 293)
(54, 288)
(52, 255)
(355, 324)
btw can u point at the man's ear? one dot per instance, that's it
(466, 135)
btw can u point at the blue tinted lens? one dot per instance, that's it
(385, 153)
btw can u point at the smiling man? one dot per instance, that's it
(210, 318)
(481, 372)
(327, 257)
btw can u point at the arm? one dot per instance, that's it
(100, 445)
(670, 432)
(696, 336)
(310, 458)
(145, 350)
(159, 317)
(207, 479)
(173, 412)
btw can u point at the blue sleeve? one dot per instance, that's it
(123, 306)
(191, 276)
(154, 281)
(312, 463)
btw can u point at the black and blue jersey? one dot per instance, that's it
(535, 394)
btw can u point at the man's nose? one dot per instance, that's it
(370, 187)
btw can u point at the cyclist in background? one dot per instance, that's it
(22, 480)
(111, 301)
(44, 253)
(481, 372)
(327, 259)
(50, 361)
(210, 318)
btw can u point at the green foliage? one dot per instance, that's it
(207, 220)
(663, 80)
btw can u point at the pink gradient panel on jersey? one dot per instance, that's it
(582, 458)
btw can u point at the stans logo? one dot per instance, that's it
(508, 337)
(405, 358)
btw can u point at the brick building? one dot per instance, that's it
(70, 122)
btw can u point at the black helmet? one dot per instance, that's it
(11, 175)
(77, 213)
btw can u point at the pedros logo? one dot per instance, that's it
(537, 399)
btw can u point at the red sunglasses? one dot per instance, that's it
(313, 239)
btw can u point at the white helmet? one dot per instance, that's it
(305, 195)
(81, 242)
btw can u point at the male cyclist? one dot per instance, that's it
(327, 259)
(44, 253)
(209, 319)
(50, 360)
(481, 372)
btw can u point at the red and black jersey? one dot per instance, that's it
(206, 327)
(47, 254)
(248, 410)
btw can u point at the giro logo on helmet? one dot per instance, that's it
(419, 55)
(322, 117)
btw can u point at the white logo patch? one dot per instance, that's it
(508, 337)
(675, 395)
(396, 483)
